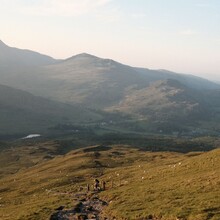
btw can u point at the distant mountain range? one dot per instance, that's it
(159, 100)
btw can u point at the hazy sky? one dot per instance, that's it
(178, 35)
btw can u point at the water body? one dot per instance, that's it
(31, 136)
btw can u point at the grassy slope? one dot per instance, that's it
(169, 185)
(187, 191)
(30, 153)
(164, 100)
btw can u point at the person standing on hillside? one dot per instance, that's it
(88, 187)
(103, 185)
(96, 185)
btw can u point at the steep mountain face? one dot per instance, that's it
(22, 112)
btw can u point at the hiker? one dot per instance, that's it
(88, 187)
(103, 185)
(96, 185)
(81, 188)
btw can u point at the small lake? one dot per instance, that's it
(31, 136)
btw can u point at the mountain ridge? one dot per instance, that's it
(106, 85)
(19, 57)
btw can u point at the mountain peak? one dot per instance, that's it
(13, 57)
(87, 59)
(83, 56)
(2, 43)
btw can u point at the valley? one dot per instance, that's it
(151, 135)
(109, 110)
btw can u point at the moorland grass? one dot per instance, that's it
(140, 184)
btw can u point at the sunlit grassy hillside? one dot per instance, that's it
(140, 185)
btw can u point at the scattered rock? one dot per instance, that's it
(88, 207)
(60, 207)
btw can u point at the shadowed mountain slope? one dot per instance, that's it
(11, 57)
(23, 112)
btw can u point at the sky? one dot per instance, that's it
(177, 35)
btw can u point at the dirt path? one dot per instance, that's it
(88, 207)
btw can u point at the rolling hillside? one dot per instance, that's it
(168, 102)
(139, 184)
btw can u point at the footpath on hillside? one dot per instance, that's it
(89, 206)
